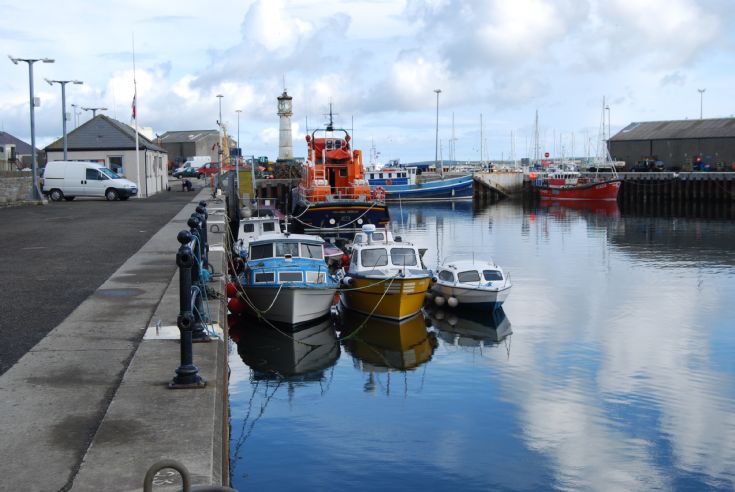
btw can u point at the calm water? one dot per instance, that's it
(619, 373)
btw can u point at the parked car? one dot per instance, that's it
(188, 170)
(208, 169)
(648, 165)
(65, 180)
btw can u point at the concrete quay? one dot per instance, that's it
(88, 407)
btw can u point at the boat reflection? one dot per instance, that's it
(586, 208)
(293, 356)
(379, 344)
(471, 329)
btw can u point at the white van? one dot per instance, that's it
(66, 180)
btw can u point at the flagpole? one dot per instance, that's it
(135, 117)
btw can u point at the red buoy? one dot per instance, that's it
(236, 306)
(231, 289)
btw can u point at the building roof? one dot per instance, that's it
(21, 148)
(103, 133)
(677, 129)
(187, 136)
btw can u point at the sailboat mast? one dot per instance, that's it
(481, 161)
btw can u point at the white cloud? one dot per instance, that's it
(379, 62)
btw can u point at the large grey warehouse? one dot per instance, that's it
(684, 145)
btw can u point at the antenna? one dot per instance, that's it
(330, 125)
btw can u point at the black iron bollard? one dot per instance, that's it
(203, 215)
(199, 334)
(187, 374)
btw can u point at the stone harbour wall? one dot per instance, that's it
(14, 190)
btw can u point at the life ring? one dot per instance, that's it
(379, 193)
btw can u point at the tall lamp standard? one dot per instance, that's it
(436, 145)
(701, 96)
(35, 192)
(63, 83)
(76, 115)
(219, 151)
(239, 153)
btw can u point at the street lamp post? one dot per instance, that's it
(219, 150)
(701, 97)
(35, 192)
(436, 145)
(239, 154)
(76, 115)
(94, 111)
(63, 83)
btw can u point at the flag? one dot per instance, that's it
(134, 96)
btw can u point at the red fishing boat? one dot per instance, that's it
(334, 195)
(571, 185)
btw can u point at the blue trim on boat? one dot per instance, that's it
(446, 189)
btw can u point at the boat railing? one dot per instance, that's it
(336, 194)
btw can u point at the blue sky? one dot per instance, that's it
(378, 62)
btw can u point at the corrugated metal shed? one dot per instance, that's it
(678, 129)
(187, 136)
(102, 133)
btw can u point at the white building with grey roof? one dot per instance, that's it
(111, 142)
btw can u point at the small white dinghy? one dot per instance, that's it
(470, 283)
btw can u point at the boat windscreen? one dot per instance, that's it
(468, 276)
(492, 275)
(403, 256)
(312, 251)
(374, 257)
(260, 251)
(283, 249)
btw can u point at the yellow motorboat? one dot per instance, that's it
(386, 276)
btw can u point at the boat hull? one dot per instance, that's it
(449, 189)
(470, 298)
(292, 305)
(347, 216)
(399, 299)
(605, 190)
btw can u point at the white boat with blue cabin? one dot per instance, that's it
(404, 184)
(473, 284)
(286, 279)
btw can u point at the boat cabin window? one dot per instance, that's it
(248, 228)
(312, 251)
(316, 277)
(380, 175)
(378, 236)
(343, 172)
(468, 276)
(446, 276)
(259, 251)
(283, 249)
(269, 227)
(492, 275)
(403, 256)
(264, 277)
(374, 257)
(290, 277)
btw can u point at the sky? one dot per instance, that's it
(378, 63)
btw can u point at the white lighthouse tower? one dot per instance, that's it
(285, 141)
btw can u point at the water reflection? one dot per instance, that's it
(471, 329)
(378, 344)
(275, 354)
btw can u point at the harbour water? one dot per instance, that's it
(611, 366)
